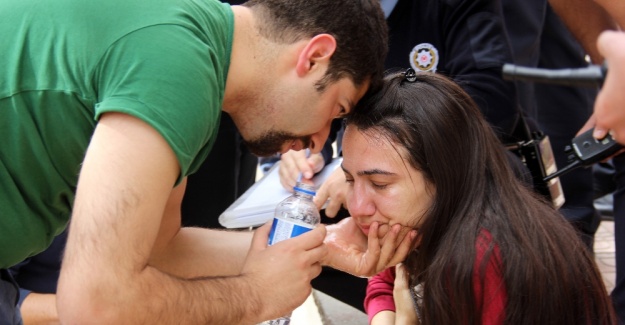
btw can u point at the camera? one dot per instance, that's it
(537, 155)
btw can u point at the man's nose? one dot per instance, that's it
(318, 140)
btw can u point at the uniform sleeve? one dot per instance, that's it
(379, 296)
(476, 47)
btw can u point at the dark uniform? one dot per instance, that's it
(464, 40)
(540, 39)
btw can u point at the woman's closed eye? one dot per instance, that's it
(378, 185)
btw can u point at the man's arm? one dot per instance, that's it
(616, 10)
(610, 103)
(193, 252)
(586, 19)
(126, 179)
(39, 309)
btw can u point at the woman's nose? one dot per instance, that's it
(359, 203)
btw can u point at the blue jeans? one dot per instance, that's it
(9, 295)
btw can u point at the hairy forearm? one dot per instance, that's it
(199, 252)
(153, 297)
(586, 19)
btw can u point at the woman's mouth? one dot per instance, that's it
(364, 228)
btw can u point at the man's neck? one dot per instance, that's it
(240, 72)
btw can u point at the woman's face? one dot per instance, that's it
(383, 186)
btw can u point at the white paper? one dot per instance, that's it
(257, 204)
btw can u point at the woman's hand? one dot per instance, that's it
(405, 312)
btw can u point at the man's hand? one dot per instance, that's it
(292, 163)
(349, 250)
(334, 191)
(280, 274)
(609, 109)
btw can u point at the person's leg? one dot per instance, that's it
(9, 296)
(618, 294)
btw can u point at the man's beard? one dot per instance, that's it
(271, 143)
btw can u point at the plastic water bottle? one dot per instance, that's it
(294, 216)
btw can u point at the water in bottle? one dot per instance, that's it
(294, 216)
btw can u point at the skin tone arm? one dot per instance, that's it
(385, 317)
(125, 182)
(182, 251)
(185, 255)
(39, 309)
(586, 19)
(610, 104)
(405, 313)
(616, 9)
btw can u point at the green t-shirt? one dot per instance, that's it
(66, 62)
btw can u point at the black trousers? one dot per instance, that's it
(9, 296)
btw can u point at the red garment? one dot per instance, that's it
(379, 295)
(380, 287)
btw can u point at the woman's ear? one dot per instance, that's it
(316, 53)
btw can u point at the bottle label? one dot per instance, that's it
(284, 229)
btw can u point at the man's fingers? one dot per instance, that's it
(308, 240)
(261, 234)
(316, 162)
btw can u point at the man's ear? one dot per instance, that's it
(318, 50)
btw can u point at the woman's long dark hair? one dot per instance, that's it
(550, 277)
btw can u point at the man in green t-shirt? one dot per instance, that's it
(107, 106)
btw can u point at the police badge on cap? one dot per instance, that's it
(424, 57)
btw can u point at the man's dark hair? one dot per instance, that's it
(357, 25)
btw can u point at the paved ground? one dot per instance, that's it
(604, 253)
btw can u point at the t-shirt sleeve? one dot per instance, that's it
(379, 296)
(169, 78)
